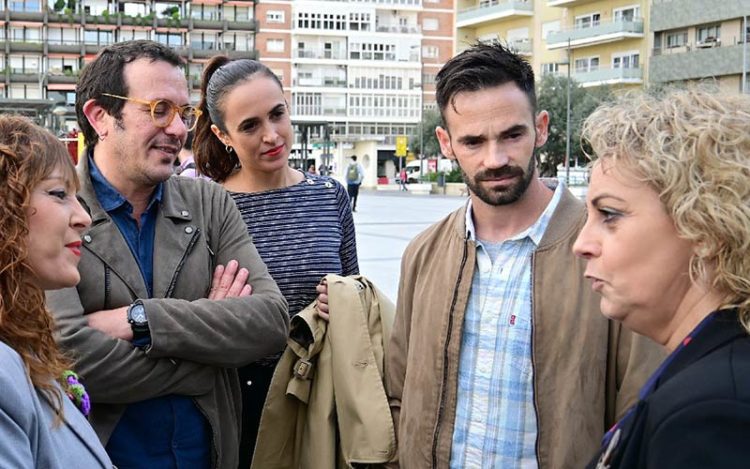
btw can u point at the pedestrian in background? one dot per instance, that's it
(666, 245)
(354, 175)
(301, 223)
(41, 222)
(500, 356)
(163, 314)
(402, 179)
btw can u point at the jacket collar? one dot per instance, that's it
(173, 203)
(566, 218)
(722, 329)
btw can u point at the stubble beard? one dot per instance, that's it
(506, 195)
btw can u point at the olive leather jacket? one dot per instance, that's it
(587, 370)
(195, 343)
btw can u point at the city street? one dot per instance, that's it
(385, 223)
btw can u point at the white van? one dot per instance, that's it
(428, 166)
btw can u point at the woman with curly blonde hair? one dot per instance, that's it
(667, 241)
(41, 223)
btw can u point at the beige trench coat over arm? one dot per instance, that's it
(327, 405)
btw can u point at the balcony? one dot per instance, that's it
(63, 78)
(207, 23)
(19, 45)
(610, 76)
(24, 75)
(689, 62)
(33, 16)
(242, 54)
(598, 34)
(667, 15)
(522, 46)
(241, 25)
(320, 82)
(319, 54)
(408, 29)
(568, 3)
(64, 48)
(491, 10)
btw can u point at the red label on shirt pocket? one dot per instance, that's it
(512, 319)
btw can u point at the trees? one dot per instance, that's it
(552, 97)
(430, 145)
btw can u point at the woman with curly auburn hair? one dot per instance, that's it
(41, 222)
(666, 243)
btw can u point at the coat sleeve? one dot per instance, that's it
(708, 434)
(348, 250)
(225, 333)
(16, 414)
(113, 370)
(633, 359)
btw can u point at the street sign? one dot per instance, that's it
(401, 143)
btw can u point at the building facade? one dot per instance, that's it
(45, 44)
(700, 40)
(604, 41)
(357, 74)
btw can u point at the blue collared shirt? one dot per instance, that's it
(495, 424)
(168, 431)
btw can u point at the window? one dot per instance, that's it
(677, 38)
(708, 34)
(204, 41)
(275, 45)
(275, 16)
(25, 34)
(235, 13)
(430, 52)
(24, 91)
(626, 60)
(628, 14)
(169, 39)
(204, 12)
(550, 27)
(359, 21)
(25, 5)
(550, 68)
(28, 64)
(588, 21)
(587, 64)
(132, 34)
(430, 24)
(62, 35)
(62, 66)
(101, 37)
(327, 21)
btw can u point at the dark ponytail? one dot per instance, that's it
(220, 76)
(211, 157)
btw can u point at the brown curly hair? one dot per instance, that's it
(28, 154)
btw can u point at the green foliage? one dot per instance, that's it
(552, 97)
(430, 145)
(170, 12)
(59, 6)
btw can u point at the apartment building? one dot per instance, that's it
(604, 41)
(701, 40)
(357, 73)
(45, 44)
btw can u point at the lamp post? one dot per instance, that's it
(567, 122)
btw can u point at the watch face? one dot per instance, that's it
(138, 314)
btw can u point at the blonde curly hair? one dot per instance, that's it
(693, 147)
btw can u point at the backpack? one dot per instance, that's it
(352, 173)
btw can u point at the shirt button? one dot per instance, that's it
(184, 213)
(310, 181)
(189, 229)
(87, 238)
(329, 184)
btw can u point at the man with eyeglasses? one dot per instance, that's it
(173, 295)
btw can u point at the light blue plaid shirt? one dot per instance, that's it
(496, 423)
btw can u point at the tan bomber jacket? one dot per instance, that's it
(587, 369)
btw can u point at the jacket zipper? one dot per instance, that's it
(214, 449)
(441, 407)
(189, 248)
(533, 360)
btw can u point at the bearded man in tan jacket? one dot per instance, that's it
(500, 356)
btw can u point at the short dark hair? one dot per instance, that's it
(354, 157)
(220, 76)
(105, 75)
(481, 66)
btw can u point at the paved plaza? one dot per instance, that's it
(385, 223)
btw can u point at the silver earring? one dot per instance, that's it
(228, 148)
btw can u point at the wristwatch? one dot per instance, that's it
(138, 321)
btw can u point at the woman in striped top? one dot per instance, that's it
(301, 223)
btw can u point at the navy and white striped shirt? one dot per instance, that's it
(302, 232)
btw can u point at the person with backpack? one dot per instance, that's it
(354, 175)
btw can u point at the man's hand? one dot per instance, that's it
(322, 302)
(229, 282)
(113, 322)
